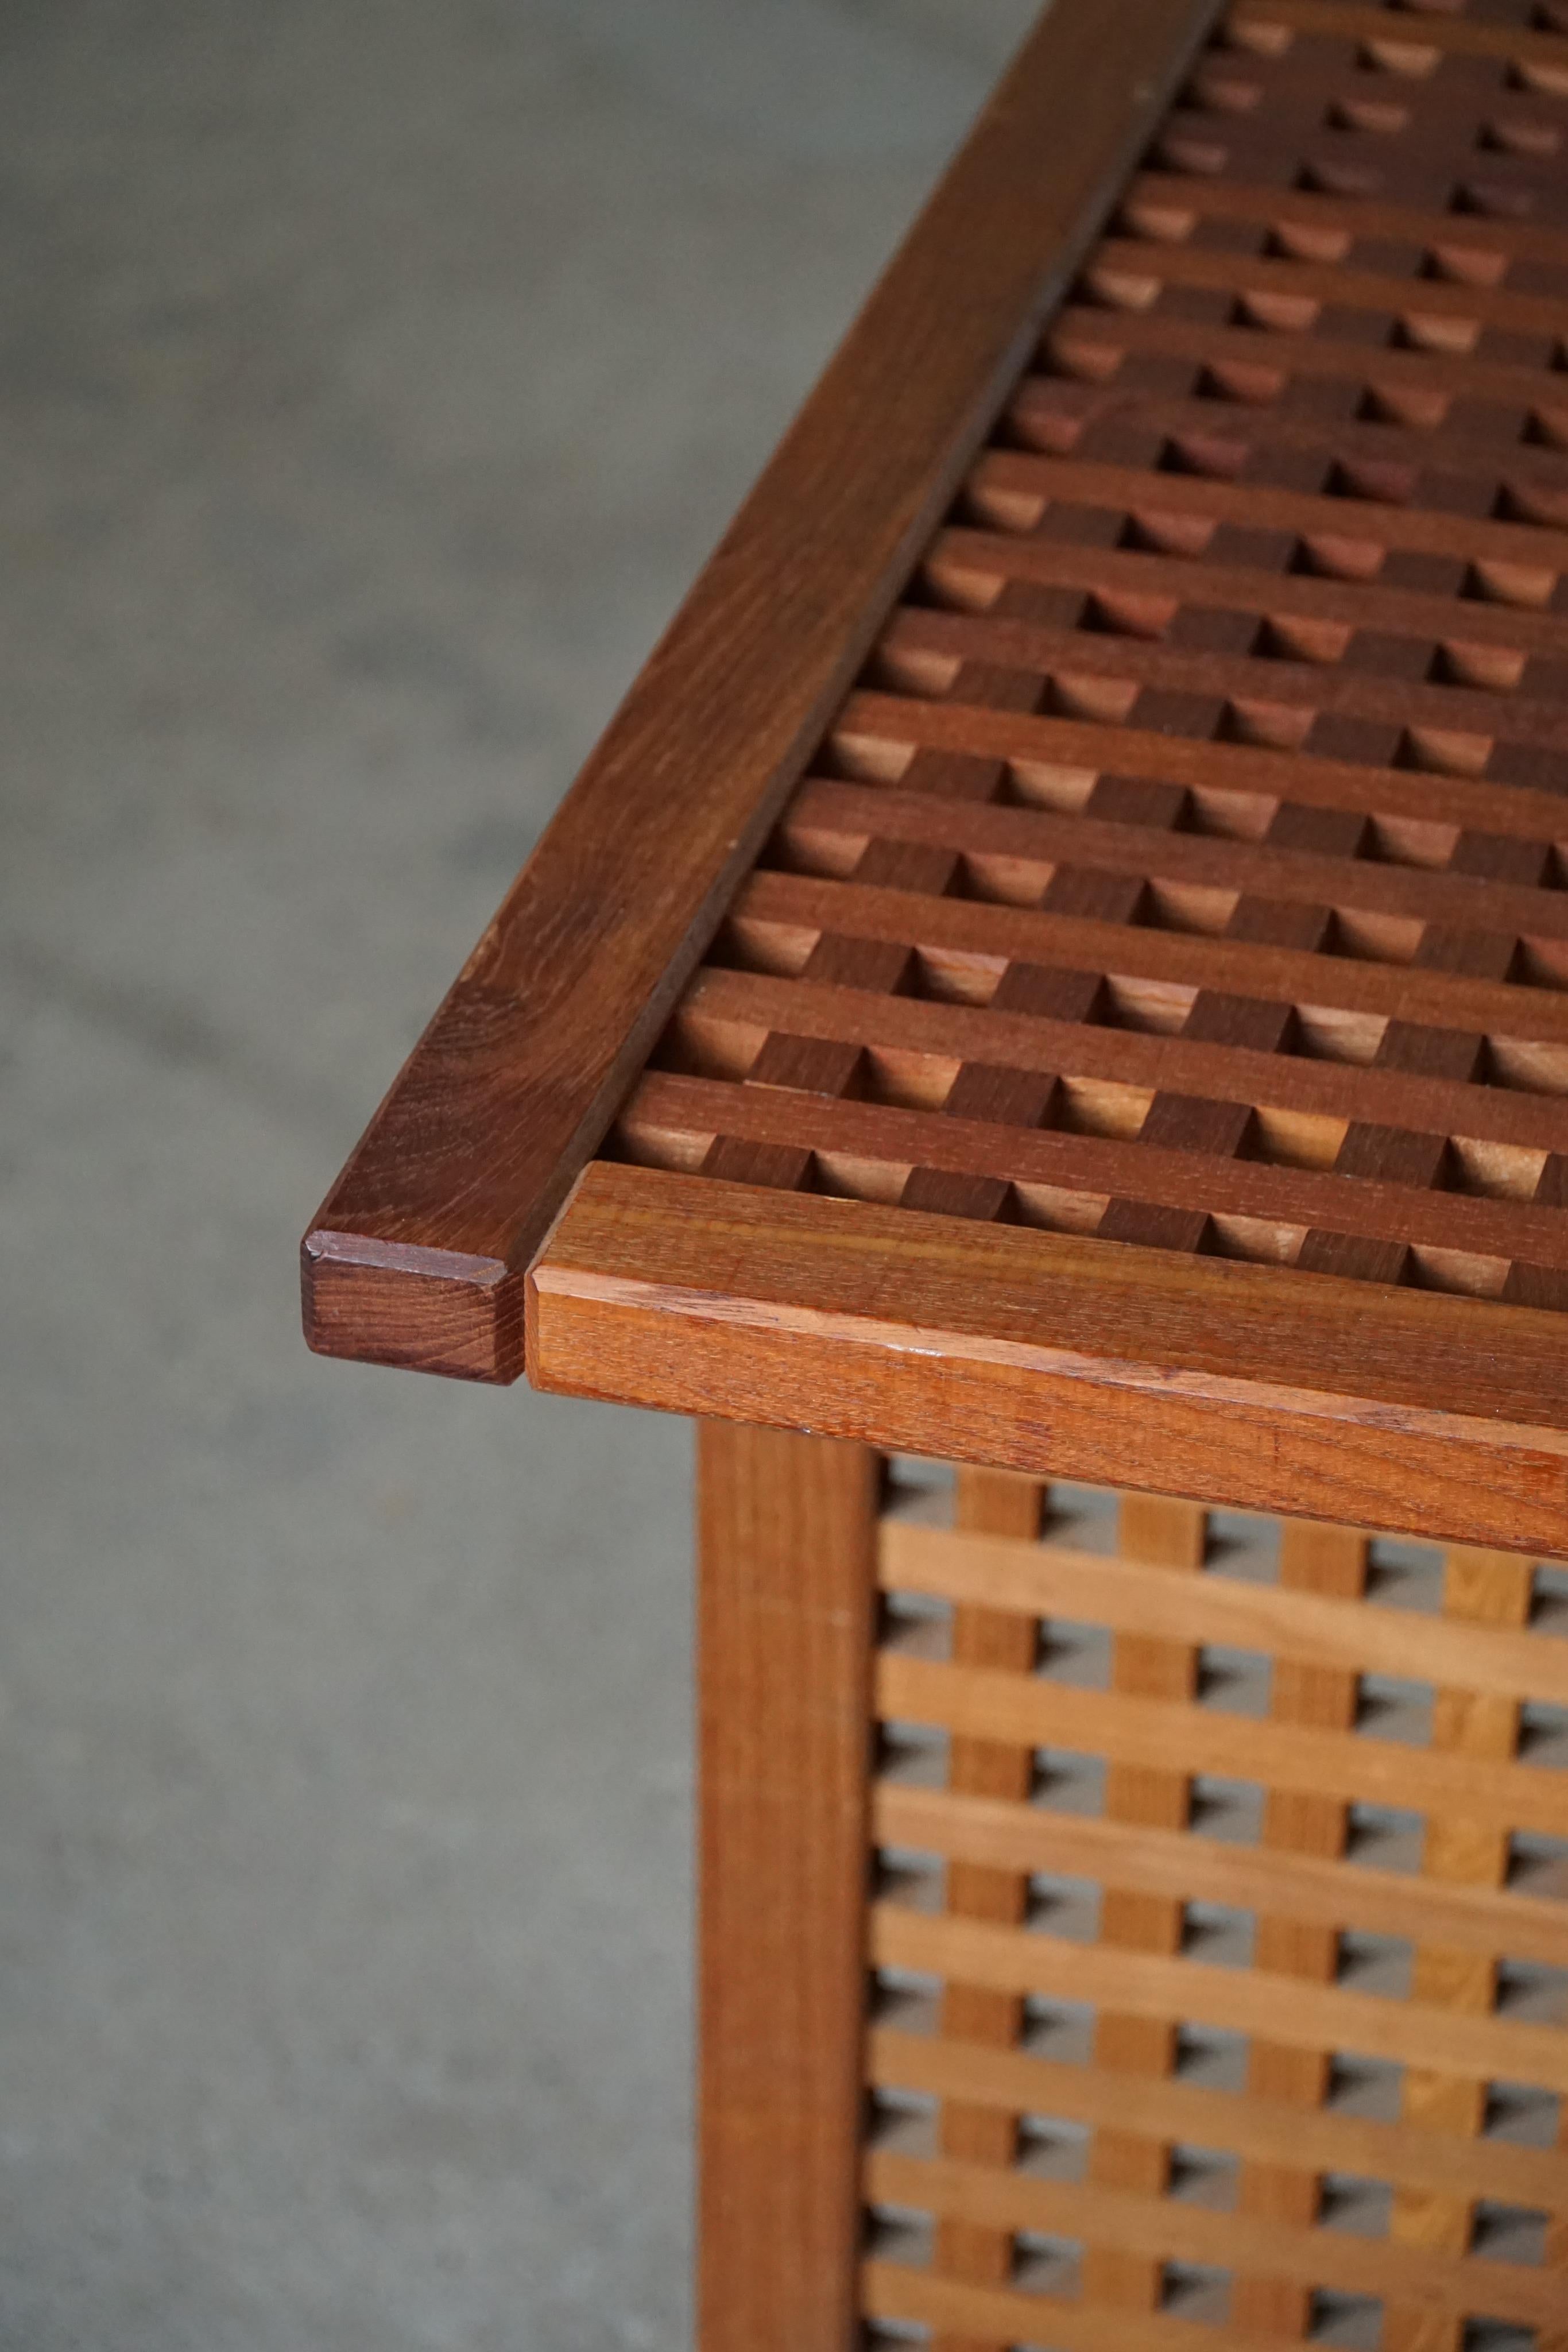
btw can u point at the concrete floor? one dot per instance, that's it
(373, 377)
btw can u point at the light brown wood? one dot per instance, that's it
(991, 2316)
(1142, 1733)
(1285, 1880)
(1152, 2230)
(1163, 1990)
(787, 1594)
(1268, 2131)
(1050, 1355)
(1313, 1623)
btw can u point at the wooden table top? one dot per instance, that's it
(1062, 958)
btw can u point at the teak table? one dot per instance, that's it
(1059, 967)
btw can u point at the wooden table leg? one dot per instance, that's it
(786, 1606)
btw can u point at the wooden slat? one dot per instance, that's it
(1356, 1637)
(1083, 661)
(418, 1253)
(965, 552)
(1168, 1991)
(1301, 358)
(1269, 1879)
(1036, 842)
(1232, 200)
(947, 1034)
(992, 2314)
(1264, 2130)
(1001, 1640)
(1127, 490)
(1481, 1590)
(994, 935)
(1299, 83)
(1449, 35)
(1160, 2229)
(1311, 1830)
(1297, 1197)
(1141, 1793)
(1050, 744)
(1155, 261)
(1146, 1732)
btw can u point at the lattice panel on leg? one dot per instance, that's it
(1283, 1905)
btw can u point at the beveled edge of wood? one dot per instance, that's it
(413, 1309)
(1058, 1356)
(418, 1253)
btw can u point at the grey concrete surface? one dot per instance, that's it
(371, 378)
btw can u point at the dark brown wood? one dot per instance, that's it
(1058, 1356)
(788, 1584)
(416, 1256)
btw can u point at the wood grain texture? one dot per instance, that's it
(1308, 1626)
(1261, 2129)
(1324, 1568)
(417, 1255)
(1005, 1640)
(1140, 1793)
(1152, 2230)
(1129, 1729)
(1289, 1881)
(787, 1582)
(1053, 1355)
(995, 2316)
